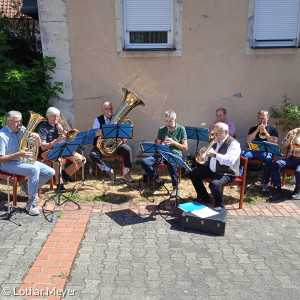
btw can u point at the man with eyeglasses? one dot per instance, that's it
(271, 136)
(221, 117)
(222, 166)
(38, 173)
(125, 150)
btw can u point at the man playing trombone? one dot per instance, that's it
(51, 133)
(222, 166)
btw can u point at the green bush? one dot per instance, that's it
(25, 76)
(288, 115)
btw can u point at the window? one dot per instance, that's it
(148, 24)
(276, 24)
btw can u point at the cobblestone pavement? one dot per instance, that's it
(19, 247)
(127, 256)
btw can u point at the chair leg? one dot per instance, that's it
(242, 196)
(95, 169)
(15, 191)
(283, 178)
(179, 175)
(51, 183)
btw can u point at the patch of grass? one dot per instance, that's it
(251, 200)
(59, 214)
(63, 275)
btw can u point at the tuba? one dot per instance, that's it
(29, 143)
(71, 134)
(295, 143)
(200, 159)
(109, 146)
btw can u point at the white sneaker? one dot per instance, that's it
(32, 209)
(175, 193)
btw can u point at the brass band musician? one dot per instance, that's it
(125, 150)
(51, 133)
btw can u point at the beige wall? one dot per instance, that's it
(213, 67)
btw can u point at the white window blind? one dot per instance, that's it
(148, 15)
(276, 23)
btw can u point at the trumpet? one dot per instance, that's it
(295, 143)
(200, 159)
(263, 133)
(71, 134)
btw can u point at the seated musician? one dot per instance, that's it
(223, 161)
(10, 154)
(51, 133)
(125, 150)
(173, 135)
(262, 132)
(221, 117)
(291, 141)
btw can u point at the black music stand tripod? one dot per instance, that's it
(63, 149)
(148, 147)
(170, 157)
(115, 132)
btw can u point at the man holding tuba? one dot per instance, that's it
(51, 133)
(123, 149)
(291, 142)
(223, 161)
(262, 132)
(10, 154)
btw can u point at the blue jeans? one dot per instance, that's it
(262, 156)
(288, 163)
(148, 163)
(38, 174)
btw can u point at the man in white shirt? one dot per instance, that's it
(125, 150)
(222, 166)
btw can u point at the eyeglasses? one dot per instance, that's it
(219, 133)
(19, 121)
(220, 115)
(109, 108)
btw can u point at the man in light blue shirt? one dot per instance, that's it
(38, 173)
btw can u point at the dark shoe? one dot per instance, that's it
(111, 175)
(145, 178)
(65, 176)
(277, 196)
(61, 188)
(296, 196)
(205, 200)
(158, 184)
(128, 178)
(175, 193)
(218, 208)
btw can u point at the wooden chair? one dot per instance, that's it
(118, 157)
(240, 180)
(286, 171)
(15, 179)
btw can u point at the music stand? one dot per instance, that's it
(170, 157)
(83, 138)
(198, 134)
(148, 147)
(62, 149)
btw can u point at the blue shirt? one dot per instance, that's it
(10, 141)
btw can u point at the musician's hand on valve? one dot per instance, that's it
(25, 154)
(211, 152)
(60, 138)
(34, 135)
(168, 141)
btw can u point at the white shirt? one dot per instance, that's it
(227, 159)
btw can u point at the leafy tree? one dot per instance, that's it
(288, 115)
(25, 76)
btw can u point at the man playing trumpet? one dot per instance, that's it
(51, 133)
(223, 161)
(10, 155)
(291, 142)
(262, 132)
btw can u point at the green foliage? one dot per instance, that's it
(25, 76)
(288, 115)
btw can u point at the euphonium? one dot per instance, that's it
(263, 133)
(29, 143)
(200, 159)
(109, 146)
(71, 134)
(295, 143)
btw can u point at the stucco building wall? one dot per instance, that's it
(215, 68)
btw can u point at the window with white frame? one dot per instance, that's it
(276, 24)
(148, 24)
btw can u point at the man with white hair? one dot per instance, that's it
(173, 135)
(51, 133)
(125, 150)
(38, 173)
(223, 161)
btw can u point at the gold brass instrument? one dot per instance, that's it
(200, 159)
(263, 133)
(295, 143)
(29, 143)
(109, 146)
(71, 134)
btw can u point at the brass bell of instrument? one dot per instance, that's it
(263, 134)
